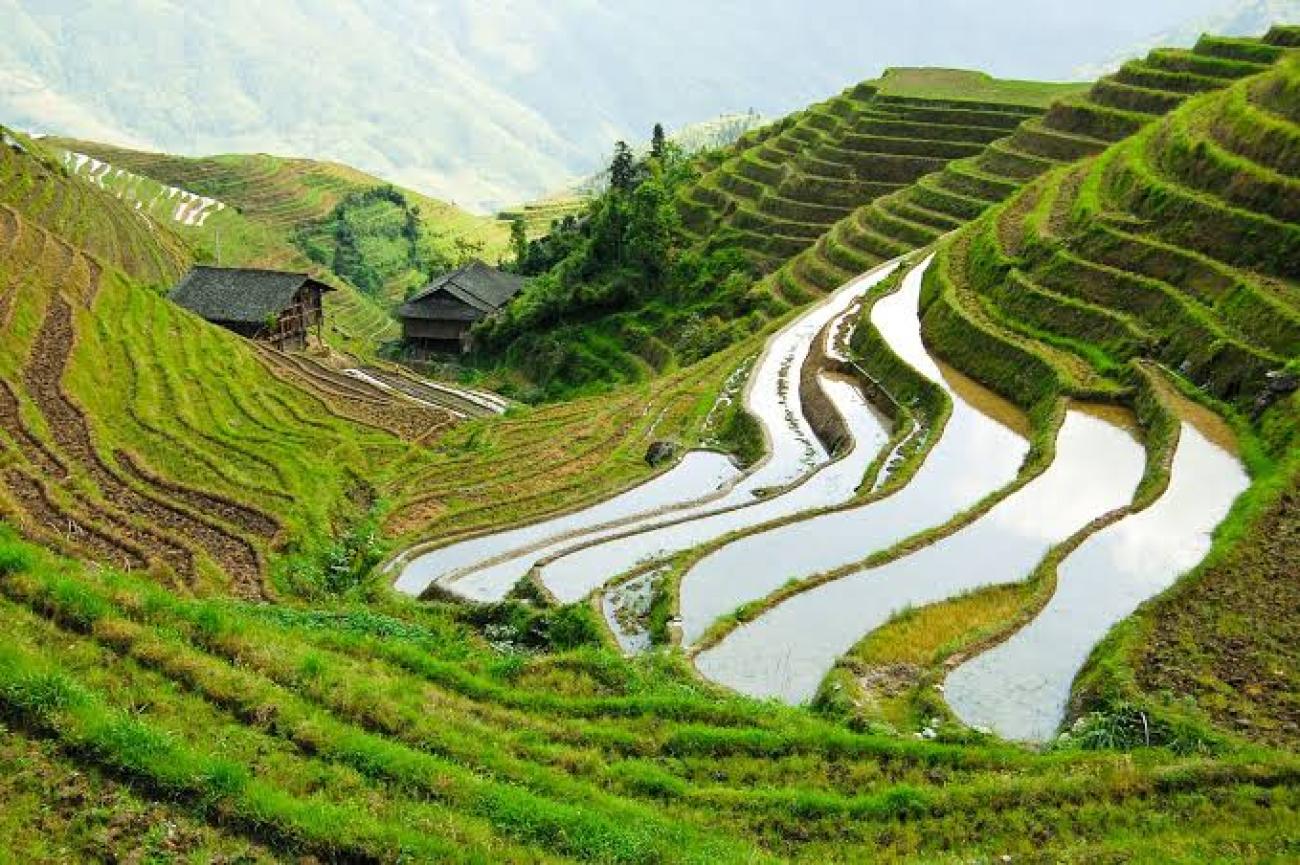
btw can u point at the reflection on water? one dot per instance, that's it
(578, 573)
(786, 652)
(698, 474)
(979, 452)
(1019, 689)
(793, 451)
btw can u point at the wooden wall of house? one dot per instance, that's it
(424, 328)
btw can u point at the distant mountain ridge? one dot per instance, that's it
(484, 104)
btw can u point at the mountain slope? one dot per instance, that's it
(138, 435)
(1175, 250)
(423, 86)
(675, 266)
(279, 213)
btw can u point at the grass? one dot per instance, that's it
(1148, 232)
(965, 85)
(301, 698)
(200, 704)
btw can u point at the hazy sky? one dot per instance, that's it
(485, 101)
(1013, 38)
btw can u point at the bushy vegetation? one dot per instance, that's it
(621, 274)
(376, 239)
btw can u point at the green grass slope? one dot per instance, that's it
(1177, 249)
(281, 213)
(1074, 126)
(390, 733)
(136, 434)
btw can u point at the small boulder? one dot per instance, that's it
(660, 452)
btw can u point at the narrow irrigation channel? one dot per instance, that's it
(1019, 688)
(703, 484)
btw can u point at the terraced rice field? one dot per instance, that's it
(38, 189)
(781, 187)
(1065, 291)
(270, 200)
(189, 480)
(144, 438)
(1120, 332)
(163, 203)
(892, 222)
(563, 551)
(540, 216)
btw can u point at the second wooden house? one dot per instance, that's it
(438, 318)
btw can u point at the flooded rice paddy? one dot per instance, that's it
(794, 520)
(487, 568)
(1019, 688)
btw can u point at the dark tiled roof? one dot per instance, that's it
(483, 288)
(239, 295)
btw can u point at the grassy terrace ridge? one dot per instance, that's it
(328, 746)
(279, 209)
(780, 187)
(1172, 251)
(1076, 124)
(138, 435)
(964, 85)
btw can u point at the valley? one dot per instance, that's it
(911, 478)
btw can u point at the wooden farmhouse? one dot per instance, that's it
(269, 305)
(438, 318)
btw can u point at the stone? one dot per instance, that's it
(660, 452)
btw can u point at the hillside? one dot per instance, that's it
(204, 657)
(1176, 248)
(885, 168)
(287, 213)
(540, 216)
(722, 222)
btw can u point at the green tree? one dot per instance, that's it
(658, 142)
(519, 243)
(651, 227)
(622, 169)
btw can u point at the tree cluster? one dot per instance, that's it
(625, 256)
